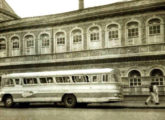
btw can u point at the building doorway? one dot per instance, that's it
(134, 78)
(157, 77)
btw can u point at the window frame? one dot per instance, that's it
(63, 81)
(15, 43)
(107, 78)
(45, 43)
(154, 32)
(33, 84)
(77, 36)
(2, 44)
(85, 81)
(46, 78)
(77, 39)
(60, 41)
(113, 35)
(133, 81)
(133, 33)
(94, 35)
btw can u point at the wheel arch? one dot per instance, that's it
(5, 96)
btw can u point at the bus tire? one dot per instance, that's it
(8, 101)
(70, 101)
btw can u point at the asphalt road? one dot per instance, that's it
(50, 112)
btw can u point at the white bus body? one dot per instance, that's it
(69, 86)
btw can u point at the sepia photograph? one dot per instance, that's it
(82, 59)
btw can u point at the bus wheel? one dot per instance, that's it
(8, 102)
(69, 101)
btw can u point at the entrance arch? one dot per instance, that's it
(134, 78)
(157, 77)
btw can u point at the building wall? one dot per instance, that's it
(136, 57)
(144, 67)
(85, 44)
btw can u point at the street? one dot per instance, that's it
(50, 112)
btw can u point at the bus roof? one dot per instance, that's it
(58, 73)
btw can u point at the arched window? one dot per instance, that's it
(60, 42)
(29, 45)
(94, 37)
(113, 31)
(155, 30)
(94, 33)
(154, 26)
(45, 40)
(133, 33)
(113, 35)
(76, 39)
(3, 50)
(157, 76)
(132, 29)
(2, 44)
(134, 78)
(76, 36)
(60, 38)
(44, 45)
(29, 39)
(15, 42)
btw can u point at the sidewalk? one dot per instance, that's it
(130, 104)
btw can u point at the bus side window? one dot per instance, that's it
(86, 78)
(94, 78)
(80, 78)
(35, 80)
(50, 80)
(59, 79)
(43, 80)
(17, 81)
(65, 79)
(30, 81)
(9, 82)
(105, 78)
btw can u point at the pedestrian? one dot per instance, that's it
(154, 95)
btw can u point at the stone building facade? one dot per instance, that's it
(127, 35)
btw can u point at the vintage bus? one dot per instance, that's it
(70, 87)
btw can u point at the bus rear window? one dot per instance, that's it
(80, 78)
(62, 79)
(30, 81)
